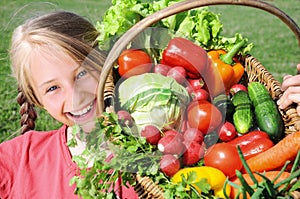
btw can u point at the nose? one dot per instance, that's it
(73, 96)
(68, 97)
(79, 94)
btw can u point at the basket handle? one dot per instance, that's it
(122, 42)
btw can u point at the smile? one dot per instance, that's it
(84, 111)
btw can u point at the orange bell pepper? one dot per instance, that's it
(230, 70)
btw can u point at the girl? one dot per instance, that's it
(56, 62)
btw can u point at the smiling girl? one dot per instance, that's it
(56, 62)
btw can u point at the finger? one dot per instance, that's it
(287, 100)
(286, 77)
(288, 92)
(298, 109)
(298, 68)
(290, 81)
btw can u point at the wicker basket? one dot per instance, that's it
(145, 187)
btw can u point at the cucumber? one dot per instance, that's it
(211, 138)
(266, 112)
(243, 115)
(225, 105)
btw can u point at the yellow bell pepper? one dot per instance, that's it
(214, 177)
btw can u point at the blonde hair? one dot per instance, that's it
(59, 31)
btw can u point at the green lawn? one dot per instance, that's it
(275, 45)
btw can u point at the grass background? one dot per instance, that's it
(275, 46)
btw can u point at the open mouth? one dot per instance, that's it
(83, 112)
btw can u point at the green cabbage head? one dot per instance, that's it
(154, 99)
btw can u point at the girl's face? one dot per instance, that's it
(65, 89)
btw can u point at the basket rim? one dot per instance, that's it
(123, 41)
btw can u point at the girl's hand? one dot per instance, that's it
(291, 91)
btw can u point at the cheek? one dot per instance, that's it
(87, 86)
(53, 107)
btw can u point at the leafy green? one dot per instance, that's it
(118, 19)
(114, 154)
(199, 25)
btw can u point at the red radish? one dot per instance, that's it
(162, 69)
(193, 134)
(194, 153)
(151, 133)
(169, 165)
(175, 133)
(200, 94)
(237, 87)
(178, 73)
(125, 118)
(171, 144)
(227, 132)
(195, 84)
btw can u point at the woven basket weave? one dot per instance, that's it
(145, 187)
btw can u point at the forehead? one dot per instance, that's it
(50, 54)
(50, 64)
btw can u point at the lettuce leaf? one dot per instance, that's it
(199, 25)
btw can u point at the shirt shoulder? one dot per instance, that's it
(28, 140)
(35, 161)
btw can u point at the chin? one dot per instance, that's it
(88, 127)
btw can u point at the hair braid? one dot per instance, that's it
(27, 112)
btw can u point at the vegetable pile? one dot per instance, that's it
(185, 116)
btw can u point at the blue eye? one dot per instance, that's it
(52, 88)
(81, 74)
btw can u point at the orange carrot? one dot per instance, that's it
(286, 149)
(269, 174)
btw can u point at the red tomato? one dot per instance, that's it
(134, 62)
(203, 115)
(225, 157)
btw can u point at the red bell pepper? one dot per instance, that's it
(253, 143)
(249, 137)
(183, 52)
(256, 147)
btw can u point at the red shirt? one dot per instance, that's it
(39, 165)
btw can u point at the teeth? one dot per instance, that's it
(83, 111)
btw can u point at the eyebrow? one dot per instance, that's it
(52, 80)
(47, 82)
